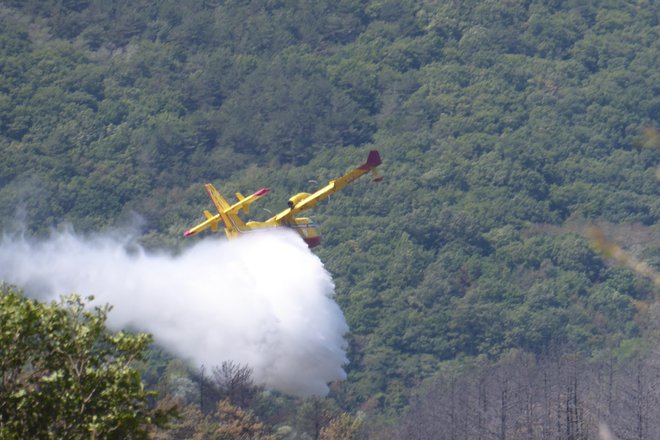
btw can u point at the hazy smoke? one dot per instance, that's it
(263, 300)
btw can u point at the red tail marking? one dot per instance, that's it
(372, 161)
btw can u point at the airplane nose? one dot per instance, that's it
(312, 241)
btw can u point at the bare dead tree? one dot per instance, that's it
(557, 396)
(636, 402)
(229, 381)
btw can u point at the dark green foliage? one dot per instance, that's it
(288, 110)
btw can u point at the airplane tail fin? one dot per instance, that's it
(373, 160)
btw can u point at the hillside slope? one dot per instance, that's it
(505, 129)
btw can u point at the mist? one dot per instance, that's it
(262, 300)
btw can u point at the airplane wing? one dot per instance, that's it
(225, 211)
(245, 202)
(373, 160)
(211, 221)
(220, 203)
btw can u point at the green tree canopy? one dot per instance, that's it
(64, 375)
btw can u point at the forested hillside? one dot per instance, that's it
(507, 129)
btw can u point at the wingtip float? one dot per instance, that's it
(308, 230)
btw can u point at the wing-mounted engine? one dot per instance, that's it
(293, 201)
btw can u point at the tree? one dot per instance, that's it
(314, 414)
(229, 382)
(343, 427)
(235, 424)
(64, 375)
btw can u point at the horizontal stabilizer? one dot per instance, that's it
(375, 176)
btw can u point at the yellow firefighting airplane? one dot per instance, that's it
(308, 230)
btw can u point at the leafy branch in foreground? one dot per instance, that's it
(64, 375)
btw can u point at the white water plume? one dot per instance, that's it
(263, 300)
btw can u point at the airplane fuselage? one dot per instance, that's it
(305, 227)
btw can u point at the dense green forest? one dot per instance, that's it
(507, 129)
